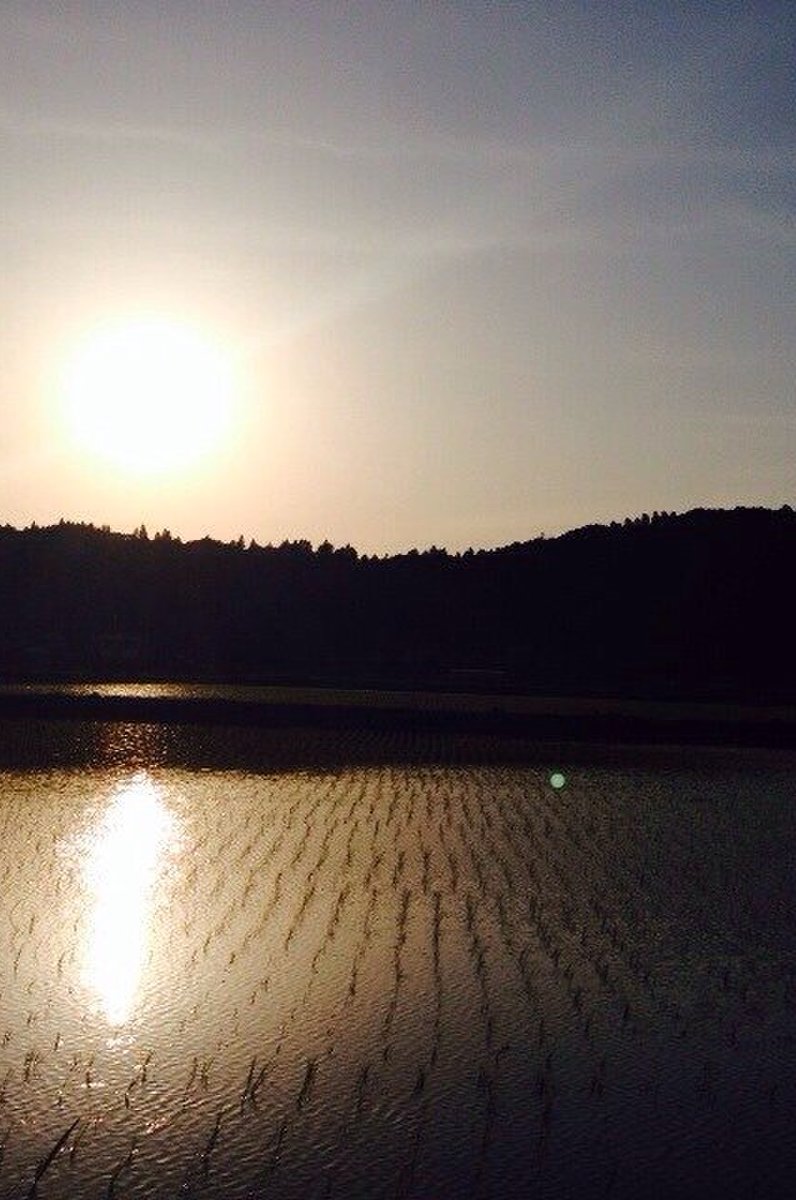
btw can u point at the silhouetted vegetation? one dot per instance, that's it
(696, 605)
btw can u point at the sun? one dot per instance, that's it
(148, 395)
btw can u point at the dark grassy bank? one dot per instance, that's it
(389, 719)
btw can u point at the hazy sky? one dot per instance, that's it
(487, 269)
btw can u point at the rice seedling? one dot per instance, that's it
(211, 1142)
(306, 1084)
(46, 1162)
(120, 1168)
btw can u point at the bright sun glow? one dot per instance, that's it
(149, 395)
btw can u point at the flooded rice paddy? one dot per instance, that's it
(405, 980)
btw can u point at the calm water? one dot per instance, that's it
(419, 980)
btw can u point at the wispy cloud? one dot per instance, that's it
(106, 132)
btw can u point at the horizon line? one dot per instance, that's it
(141, 533)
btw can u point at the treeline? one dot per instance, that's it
(696, 605)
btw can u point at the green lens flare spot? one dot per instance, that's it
(557, 780)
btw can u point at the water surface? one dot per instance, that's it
(410, 979)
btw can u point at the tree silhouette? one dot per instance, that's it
(695, 605)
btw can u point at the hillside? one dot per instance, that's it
(698, 605)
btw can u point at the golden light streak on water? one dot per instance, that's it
(126, 853)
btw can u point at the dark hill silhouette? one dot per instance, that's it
(696, 606)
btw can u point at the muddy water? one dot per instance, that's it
(397, 981)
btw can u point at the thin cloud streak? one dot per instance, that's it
(103, 132)
(544, 155)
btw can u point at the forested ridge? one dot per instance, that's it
(698, 605)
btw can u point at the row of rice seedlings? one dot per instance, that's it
(480, 970)
(409, 813)
(426, 856)
(498, 861)
(477, 867)
(436, 961)
(363, 943)
(453, 866)
(495, 1047)
(349, 846)
(421, 1094)
(332, 926)
(398, 974)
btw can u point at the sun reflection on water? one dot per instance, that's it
(126, 855)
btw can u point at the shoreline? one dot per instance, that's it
(540, 721)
